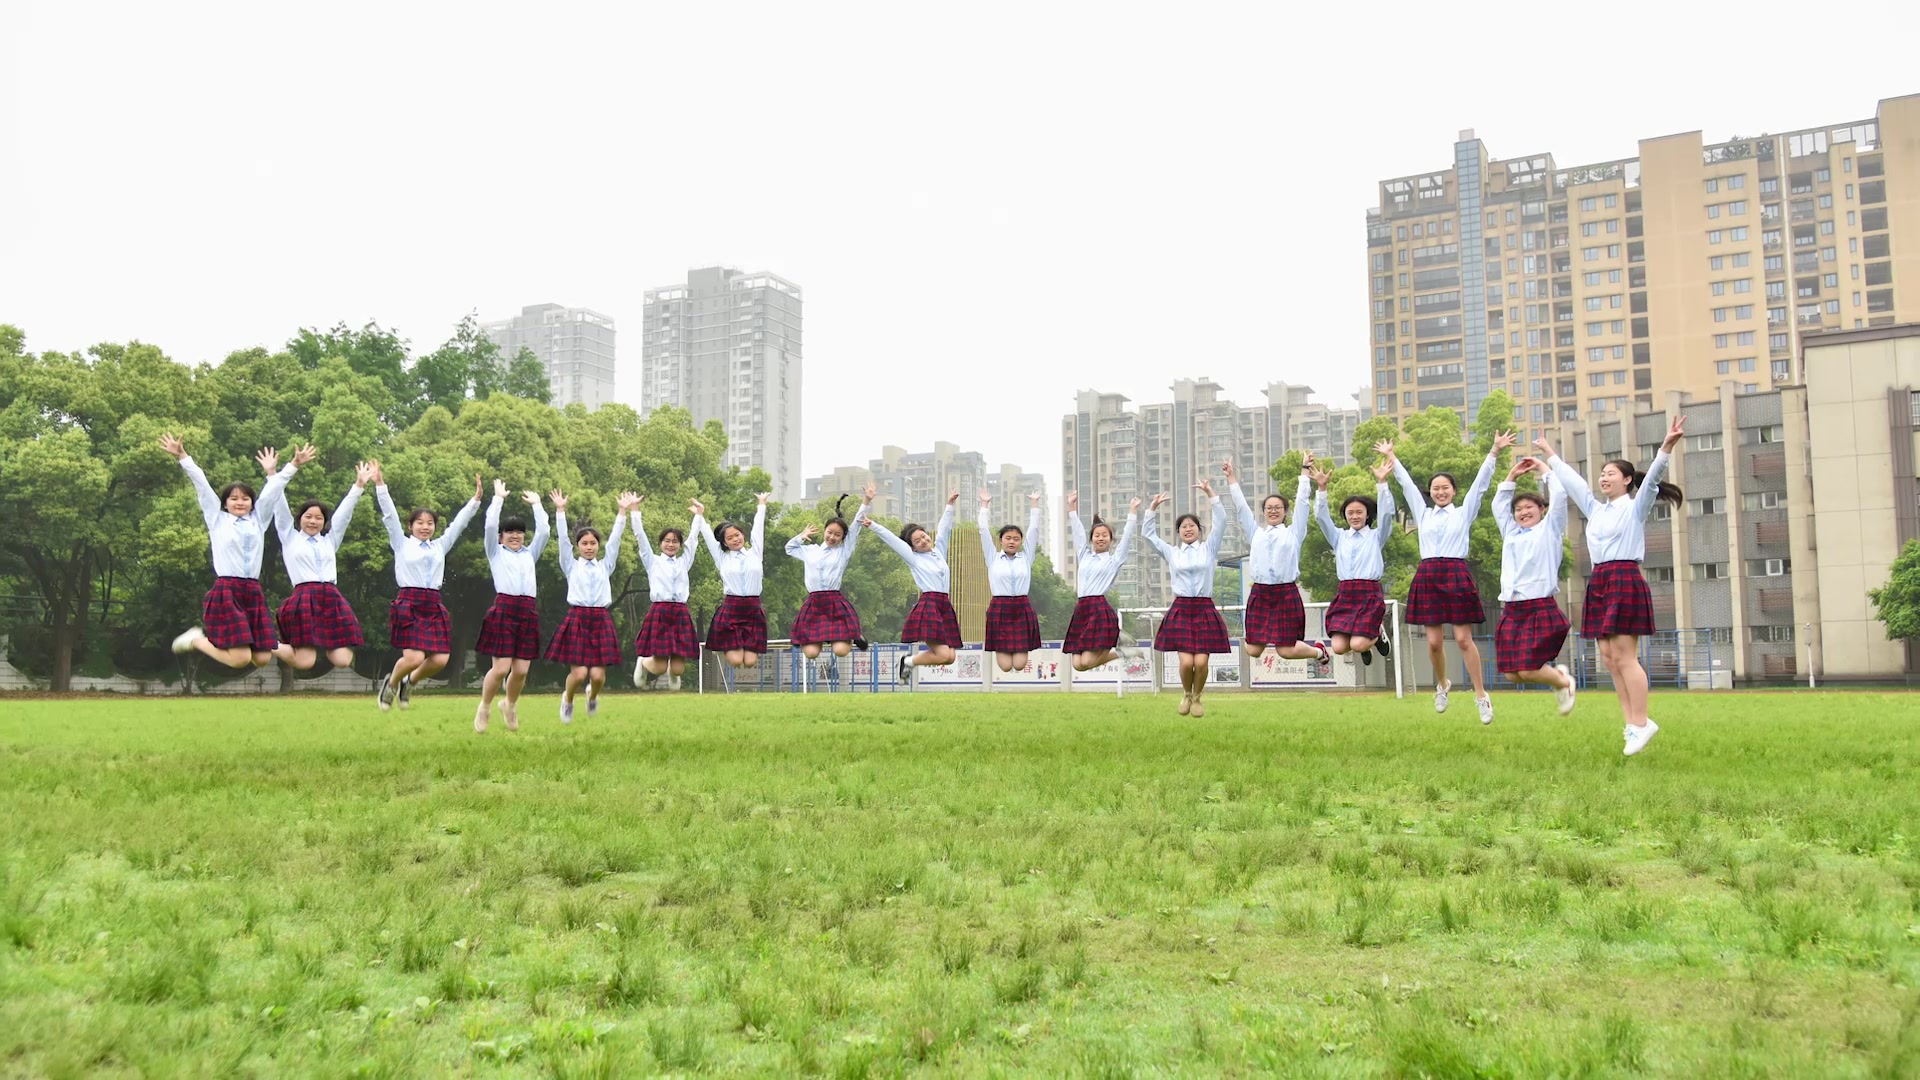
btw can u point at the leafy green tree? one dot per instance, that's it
(527, 377)
(1053, 597)
(1897, 603)
(467, 366)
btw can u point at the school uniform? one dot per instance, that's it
(1359, 557)
(234, 612)
(1618, 599)
(740, 622)
(1012, 626)
(586, 636)
(1193, 624)
(667, 629)
(316, 615)
(826, 616)
(1275, 614)
(932, 619)
(1532, 629)
(511, 627)
(1095, 626)
(1443, 590)
(417, 620)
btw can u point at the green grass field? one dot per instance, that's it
(1306, 884)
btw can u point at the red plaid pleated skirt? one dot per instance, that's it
(418, 621)
(235, 614)
(1359, 609)
(511, 628)
(667, 631)
(741, 623)
(1275, 615)
(1095, 626)
(825, 616)
(585, 639)
(1531, 634)
(1443, 592)
(1618, 602)
(1193, 625)
(933, 621)
(317, 616)
(1012, 627)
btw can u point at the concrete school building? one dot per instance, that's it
(1798, 499)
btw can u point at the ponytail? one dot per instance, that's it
(838, 518)
(1667, 493)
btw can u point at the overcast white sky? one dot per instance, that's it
(990, 206)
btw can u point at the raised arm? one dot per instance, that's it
(758, 538)
(1302, 492)
(342, 515)
(1325, 519)
(1150, 532)
(566, 548)
(1383, 520)
(1479, 489)
(459, 523)
(285, 527)
(988, 549)
(797, 545)
(1416, 499)
(210, 508)
(1556, 506)
(1215, 528)
(942, 532)
(390, 516)
(1503, 506)
(275, 489)
(610, 553)
(1079, 532)
(1032, 537)
(690, 552)
(1649, 492)
(1578, 492)
(1126, 537)
(1244, 510)
(490, 538)
(541, 532)
(900, 547)
(646, 545)
(707, 538)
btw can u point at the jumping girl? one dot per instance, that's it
(417, 622)
(932, 620)
(1359, 557)
(316, 618)
(1013, 630)
(1443, 591)
(739, 628)
(1094, 633)
(826, 618)
(1275, 616)
(666, 640)
(1619, 606)
(1193, 627)
(586, 641)
(1532, 627)
(236, 627)
(510, 631)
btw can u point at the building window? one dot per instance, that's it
(1709, 441)
(1769, 567)
(1763, 500)
(1723, 367)
(1708, 506)
(1660, 574)
(1739, 233)
(1771, 635)
(1711, 571)
(1715, 236)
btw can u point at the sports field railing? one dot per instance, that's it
(1684, 659)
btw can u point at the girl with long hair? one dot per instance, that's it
(826, 618)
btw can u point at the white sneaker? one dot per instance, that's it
(184, 643)
(1564, 697)
(566, 710)
(1440, 696)
(480, 718)
(640, 672)
(673, 682)
(511, 711)
(1486, 709)
(1639, 737)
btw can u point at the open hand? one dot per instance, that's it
(627, 501)
(867, 493)
(558, 498)
(269, 460)
(173, 446)
(499, 488)
(1320, 477)
(1205, 487)
(1520, 468)
(1383, 469)
(1504, 439)
(364, 474)
(986, 498)
(1546, 448)
(304, 454)
(532, 497)
(1674, 432)
(1134, 506)
(695, 506)
(807, 533)
(1033, 498)
(1073, 502)
(1384, 448)
(1157, 500)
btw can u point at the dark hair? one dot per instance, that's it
(720, 534)
(838, 518)
(1533, 497)
(585, 530)
(1099, 523)
(513, 524)
(1010, 528)
(415, 516)
(1668, 493)
(1373, 509)
(911, 527)
(1455, 484)
(237, 486)
(1184, 518)
(1284, 504)
(675, 533)
(326, 514)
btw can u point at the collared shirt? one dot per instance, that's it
(589, 581)
(740, 571)
(666, 575)
(513, 570)
(1189, 565)
(311, 557)
(1009, 575)
(929, 568)
(420, 564)
(1530, 557)
(1358, 554)
(1616, 530)
(1444, 530)
(1273, 555)
(1098, 569)
(237, 541)
(826, 565)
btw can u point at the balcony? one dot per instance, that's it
(1805, 321)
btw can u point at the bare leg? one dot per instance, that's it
(1018, 659)
(1610, 655)
(1299, 650)
(812, 652)
(431, 666)
(490, 683)
(1546, 676)
(1437, 653)
(238, 656)
(302, 658)
(1200, 662)
(677, 666)
(596, 680)
(1343, 644)
(1626, 649)
(1463, 637)
(750, 658)
(517, 680)
(658, 665)
(575, 677)
(934, 656)
(410, 661)
(341, 657)
(1359, 644)
(1254, 648)
(842, 648)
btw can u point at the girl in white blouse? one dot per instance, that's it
(738, 631)
(1013, 630)
(1359, 557)
(666, 640)
(932, 620)
(1193, 627)
(1618, 611)
(316, 618)
(236, 629)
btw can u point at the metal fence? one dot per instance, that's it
(1683, 659)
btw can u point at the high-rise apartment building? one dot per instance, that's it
(575, 344)
(726, 346)
(1294, 422)
(1596, 288)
